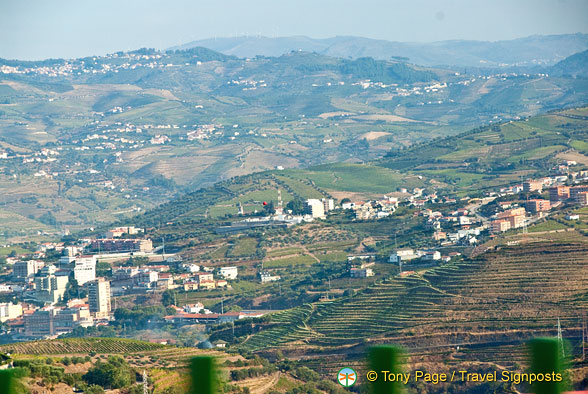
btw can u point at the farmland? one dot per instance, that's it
(126, 139)
(485, 301)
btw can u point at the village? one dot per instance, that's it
(48, 288)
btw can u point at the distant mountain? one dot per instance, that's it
(528, 51)
(575, 65)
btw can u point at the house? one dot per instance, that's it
(439, 235)
(191, 267)
(220, 344)
(228, 272)
(165, 281)
(194, 308)
(361, 272)
(430, 255)
(206, 284)
(402, 255)
(537, 205)
(204, 277)
(265, 277)
(190, 286)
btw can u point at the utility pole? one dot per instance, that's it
(163, 256)
(584, 336)
(560, 338)
(145, 384)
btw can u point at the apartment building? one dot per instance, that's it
(99, 298)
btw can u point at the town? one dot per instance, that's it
(61, 286)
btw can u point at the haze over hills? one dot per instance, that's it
(576, 65)
(523, 52)
(117, 134)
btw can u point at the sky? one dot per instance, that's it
(40, 29)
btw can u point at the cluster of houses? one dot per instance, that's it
(360, 265)
(372, 209)
(515, 216)
(45, 310)
(41, 288)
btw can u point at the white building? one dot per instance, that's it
(431, 255)
(99, 297)
(361, 272)
(85, 269)
(228, 272)
(9, 311)
(328, 204)
(191, 267)
(267, 277)
(194, 308)
(315, 208)
(50, 287)
(402, 255)
(22, 270)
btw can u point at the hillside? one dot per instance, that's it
(488, 307)
(59, 366)
(528, 51)
(95, 140)
(498, 154)
(576, 65)
(473, 162)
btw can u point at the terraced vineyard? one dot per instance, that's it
(486, 305)
(81, 346)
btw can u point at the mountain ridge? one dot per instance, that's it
(527, 51)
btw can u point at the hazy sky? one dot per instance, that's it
(36, 29)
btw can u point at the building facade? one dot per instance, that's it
(99, 298)
(85, 269)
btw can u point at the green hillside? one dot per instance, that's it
(475, 161)
(500, 153)
(135, 129)
(502, 296)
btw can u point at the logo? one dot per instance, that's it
(346, 377)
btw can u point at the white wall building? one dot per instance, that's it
(315, 208)
(50, 287)
(99, 297)
(85, 269)
(9, 311)
(228, 272)
(22, 270)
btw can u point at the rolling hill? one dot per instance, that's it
(575, 65)
(526, 52)
(120, 134)
(478, 311)
(471, 163)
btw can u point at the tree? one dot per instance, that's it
(114, 374)
(137, 261)
(270, 209)
(168, 298)
(296, 206)
(94, 389)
